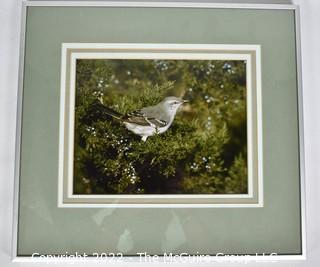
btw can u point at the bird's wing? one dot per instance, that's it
(141, 118)
(157, 123)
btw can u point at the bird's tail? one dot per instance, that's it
(103, 110)
(113, 113)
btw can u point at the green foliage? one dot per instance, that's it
(204, 151)
(237, 180)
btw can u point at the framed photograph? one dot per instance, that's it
(158, 131)
(160, 125)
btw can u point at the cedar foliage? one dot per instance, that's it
(204, 151)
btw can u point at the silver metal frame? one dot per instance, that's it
(295, 8)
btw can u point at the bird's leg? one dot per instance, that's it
(144, 138)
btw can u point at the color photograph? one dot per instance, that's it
(160, 126)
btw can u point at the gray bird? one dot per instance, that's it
(150, 120)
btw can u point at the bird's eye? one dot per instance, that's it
(176, 102)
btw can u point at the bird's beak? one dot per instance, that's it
(185, 101)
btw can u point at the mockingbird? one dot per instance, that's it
(150, 120)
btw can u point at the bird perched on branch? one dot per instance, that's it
(150, 120)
